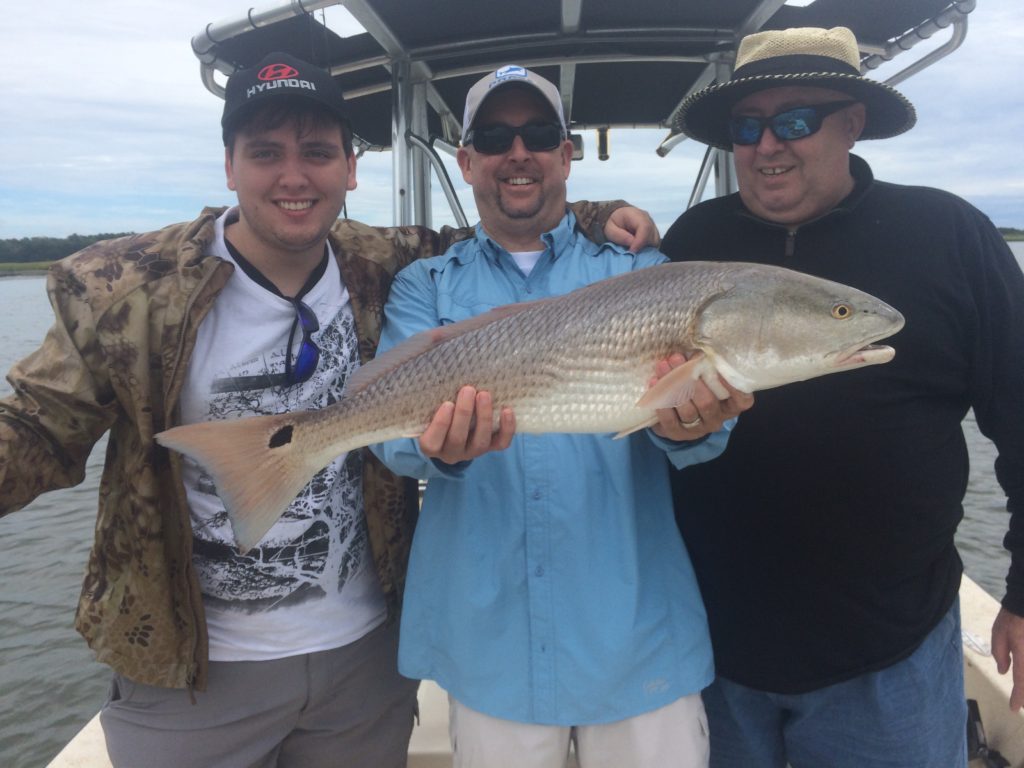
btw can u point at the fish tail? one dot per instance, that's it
(255, 466)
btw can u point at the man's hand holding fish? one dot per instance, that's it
(463, 429)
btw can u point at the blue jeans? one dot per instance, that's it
(910, 715)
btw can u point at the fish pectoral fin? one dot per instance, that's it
(676, 387)
(642, 425)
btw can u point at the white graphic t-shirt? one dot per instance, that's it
(310, 583)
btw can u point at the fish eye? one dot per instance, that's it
(842, 311)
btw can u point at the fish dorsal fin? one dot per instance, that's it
(416, 345)
(676, 387)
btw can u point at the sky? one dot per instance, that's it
(107, 127)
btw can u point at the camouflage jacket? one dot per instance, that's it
(127, 316)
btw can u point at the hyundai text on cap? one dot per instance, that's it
(276, 75)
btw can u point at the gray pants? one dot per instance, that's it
(343, 707)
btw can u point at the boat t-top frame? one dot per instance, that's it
(618, 64)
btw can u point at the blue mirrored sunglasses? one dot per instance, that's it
(308, 356)
(790, 125)
(498, 138)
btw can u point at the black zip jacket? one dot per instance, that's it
(823, 536)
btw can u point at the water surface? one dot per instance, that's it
(49, 684)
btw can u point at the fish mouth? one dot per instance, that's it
(865, 351)
(868, 354)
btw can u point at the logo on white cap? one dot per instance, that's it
(509, 72)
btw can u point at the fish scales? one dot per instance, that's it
(577, 364)
(581, 362)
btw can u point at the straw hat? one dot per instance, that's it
(807, 56)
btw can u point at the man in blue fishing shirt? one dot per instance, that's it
(549, 591)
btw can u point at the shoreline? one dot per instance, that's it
(40, 269)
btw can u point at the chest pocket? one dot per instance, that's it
(451, 310)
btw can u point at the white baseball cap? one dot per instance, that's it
(510, 74)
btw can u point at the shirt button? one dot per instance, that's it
(539, 571)
(536, 493)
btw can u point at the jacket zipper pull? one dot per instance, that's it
(790, 243)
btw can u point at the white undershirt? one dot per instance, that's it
(526, 260)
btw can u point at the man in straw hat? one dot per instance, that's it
(823, 537)
(549, 592)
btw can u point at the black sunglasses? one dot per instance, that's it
(498, 138)
(309, 353)
(787, 126)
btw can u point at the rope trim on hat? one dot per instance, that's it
(718, 137)
(713, 89)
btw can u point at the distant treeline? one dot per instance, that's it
(31, 249)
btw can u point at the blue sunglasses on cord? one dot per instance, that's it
(308, 356)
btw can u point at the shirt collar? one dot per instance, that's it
(555, 240)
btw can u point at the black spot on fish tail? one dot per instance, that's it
(283, 436)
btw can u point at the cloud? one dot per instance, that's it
(107, 126)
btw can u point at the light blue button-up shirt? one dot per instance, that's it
(548, 583)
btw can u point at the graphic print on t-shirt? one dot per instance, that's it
(323, 532)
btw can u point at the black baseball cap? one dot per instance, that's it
(274, 76)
